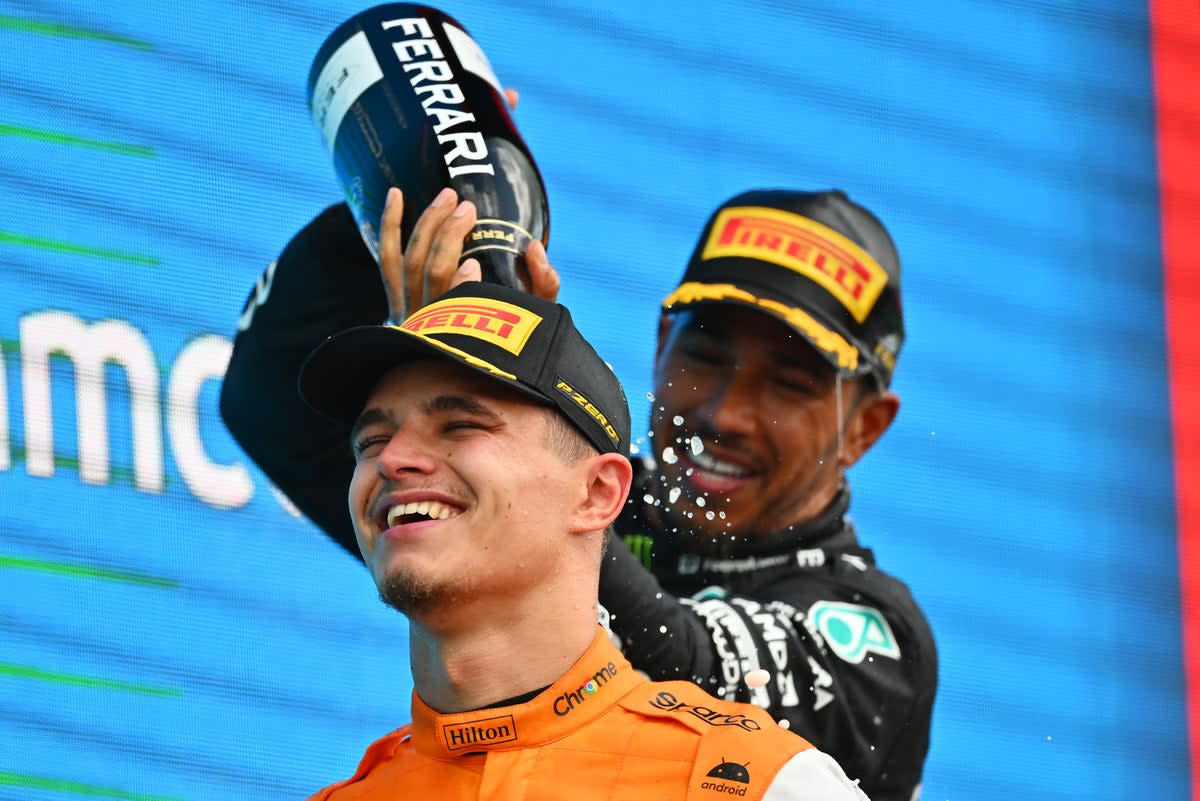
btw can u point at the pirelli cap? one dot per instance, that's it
(524, 342)
(818, 261)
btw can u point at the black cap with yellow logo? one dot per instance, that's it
(818, 261)
(527, 343)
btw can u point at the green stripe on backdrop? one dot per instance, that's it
(25, 25)
(12, 347)
(86, 571)
(115, 472)
(59, 138)
(77, 788)
(8, 670)
(58, 246)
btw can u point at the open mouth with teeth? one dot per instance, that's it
(705, 473)
(719, 467)
(404, 513)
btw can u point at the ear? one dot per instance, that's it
(608, 479)
(871, 417)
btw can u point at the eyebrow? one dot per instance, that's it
(441, 404)
(458, 403)
(370, 417)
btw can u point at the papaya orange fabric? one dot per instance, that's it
(603, 731)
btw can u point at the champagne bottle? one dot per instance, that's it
(403, 96)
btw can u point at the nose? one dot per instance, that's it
(732, 406)
(407, 453)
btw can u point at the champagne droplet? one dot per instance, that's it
(757, 678)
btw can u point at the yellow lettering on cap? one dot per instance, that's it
(803, 246)
(493, 321)
(590, 408)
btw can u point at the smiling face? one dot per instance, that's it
(746, 423)
(458, 495)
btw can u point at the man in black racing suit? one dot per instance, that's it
(737, 555)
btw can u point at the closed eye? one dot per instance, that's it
(704, 356)
(466, 425)
(806, 385)
(371, 428)
(362, 446)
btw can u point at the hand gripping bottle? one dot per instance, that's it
(404, 97)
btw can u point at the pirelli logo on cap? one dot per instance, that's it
(803, 246)
(494, 321)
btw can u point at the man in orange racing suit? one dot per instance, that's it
(489, 442)
(775, 355)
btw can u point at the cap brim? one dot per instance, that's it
(338, 376)
(835, 344)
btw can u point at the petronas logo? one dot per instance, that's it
(642, 546)
(852, 631)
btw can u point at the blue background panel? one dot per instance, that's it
(181, 635)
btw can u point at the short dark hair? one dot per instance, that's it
(565, 439)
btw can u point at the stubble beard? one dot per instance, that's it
(416, 596)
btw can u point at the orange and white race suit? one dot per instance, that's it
(602, 731)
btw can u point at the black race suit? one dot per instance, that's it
(852, 662)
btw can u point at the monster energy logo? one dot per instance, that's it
(642, 546)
